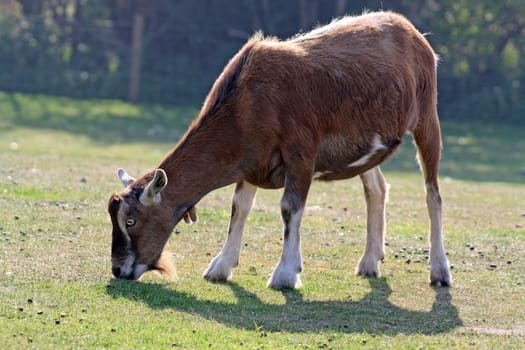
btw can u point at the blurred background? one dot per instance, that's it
(171, 51)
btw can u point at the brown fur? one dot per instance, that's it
(166, 267)
(290, 109)
(323, 94)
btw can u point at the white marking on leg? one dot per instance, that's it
(376, 195)
(375, 147)
(439, 267)
(220, 268)
(287, 272)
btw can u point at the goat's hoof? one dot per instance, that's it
(446, 282)
(440, 277)
(285, 285)
(281, 281)
(368, 267)
(219, 270)
(368, 273)
(216, 279)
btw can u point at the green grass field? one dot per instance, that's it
(58, 160)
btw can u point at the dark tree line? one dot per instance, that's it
(84, 47)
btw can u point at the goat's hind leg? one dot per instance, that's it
(439, 267)
(220, 268)
(428, 141)
(376, 195)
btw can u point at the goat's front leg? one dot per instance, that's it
(287, 272)
(376, 194)
(220, 268)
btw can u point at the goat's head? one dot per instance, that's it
(142, 224)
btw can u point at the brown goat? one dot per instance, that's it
(329, 104)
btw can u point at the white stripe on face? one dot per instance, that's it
(122, 218)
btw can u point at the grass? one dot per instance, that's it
(57, 168)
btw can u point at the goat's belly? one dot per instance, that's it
(341, 174)
(342, 159)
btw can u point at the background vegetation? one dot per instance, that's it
(83, 48)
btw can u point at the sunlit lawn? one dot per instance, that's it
(57, 169)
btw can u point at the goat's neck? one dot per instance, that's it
(206, 158)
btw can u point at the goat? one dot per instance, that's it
(329, 104)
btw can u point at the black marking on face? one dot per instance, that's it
(119, 243)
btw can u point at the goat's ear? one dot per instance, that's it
(151, 194)
(191, 216)
(124, 177)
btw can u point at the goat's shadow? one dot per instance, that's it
(374, 313)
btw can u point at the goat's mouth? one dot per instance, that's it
(132, 273)
(164, 266)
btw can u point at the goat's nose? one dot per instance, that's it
(116, 271)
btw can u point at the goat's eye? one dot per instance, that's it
(130, 222)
